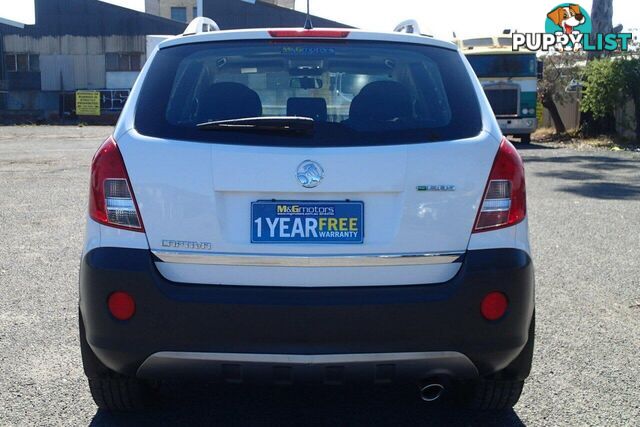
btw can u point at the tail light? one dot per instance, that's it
(504, 202)
(320, 33)
(494, 305)
(121, 305)
(111, 199)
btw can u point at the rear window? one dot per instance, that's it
(357, 93)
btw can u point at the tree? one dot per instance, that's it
(610, 83)
(560, 71)
(601, 21)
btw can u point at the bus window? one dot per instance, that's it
(503, 65)
(483, 42)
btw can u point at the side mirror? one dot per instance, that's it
(306, 83)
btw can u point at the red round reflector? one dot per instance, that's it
(494, 305)
(121, 305)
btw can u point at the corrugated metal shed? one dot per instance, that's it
(121, 79)
(44, 45)
(91, 18)
(89, 71)
(72, 72)
(72, 38)
(125, 44)
(74, 45)
(57, 72)
(24, 80)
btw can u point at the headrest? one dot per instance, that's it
(382, 101)
(228, 100)
(316, 108)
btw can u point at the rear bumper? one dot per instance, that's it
(241, 333)
(518, 126)
(320, 368)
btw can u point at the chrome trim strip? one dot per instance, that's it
(299, 359)
(363, 260)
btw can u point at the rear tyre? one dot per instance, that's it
(120, 394)
(486, 395)
(525, 138)
(110, 390)
(504, 389)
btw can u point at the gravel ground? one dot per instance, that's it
(585, 228)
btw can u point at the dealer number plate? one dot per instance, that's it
(307, 222)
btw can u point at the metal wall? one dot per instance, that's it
(32, 101)
(74, 62)
(71, 72)
(121, 79)
(73, 45)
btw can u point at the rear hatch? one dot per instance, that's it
(374, 149)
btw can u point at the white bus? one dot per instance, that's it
(510, 82)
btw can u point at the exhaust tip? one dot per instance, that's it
(431, 392)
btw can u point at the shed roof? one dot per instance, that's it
(92, 18)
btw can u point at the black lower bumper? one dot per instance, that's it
(201, 320)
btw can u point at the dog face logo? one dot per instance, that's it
(567, 17)
(568, 27)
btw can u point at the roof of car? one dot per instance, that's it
(260, 34)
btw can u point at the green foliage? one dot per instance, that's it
(610, 83)
(603, 87)
(630, 71)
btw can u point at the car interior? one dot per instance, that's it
(360, 93)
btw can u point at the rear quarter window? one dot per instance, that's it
(357, 93)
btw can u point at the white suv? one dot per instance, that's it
(307, 206)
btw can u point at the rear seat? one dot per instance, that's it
(315, 108)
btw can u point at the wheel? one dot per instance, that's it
(110, 390)
(120, 394)
(487, 395)
(525, 138)
(503, 389)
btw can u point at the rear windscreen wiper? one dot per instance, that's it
(284, 124)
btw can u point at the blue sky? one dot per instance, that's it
(465, 17)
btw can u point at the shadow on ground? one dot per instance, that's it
(586, 175)
(227, 405)
(604, 191)
(606, 163)
(531, 146)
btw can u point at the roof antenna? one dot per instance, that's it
(308, 25)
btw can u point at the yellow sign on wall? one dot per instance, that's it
(87, 103)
